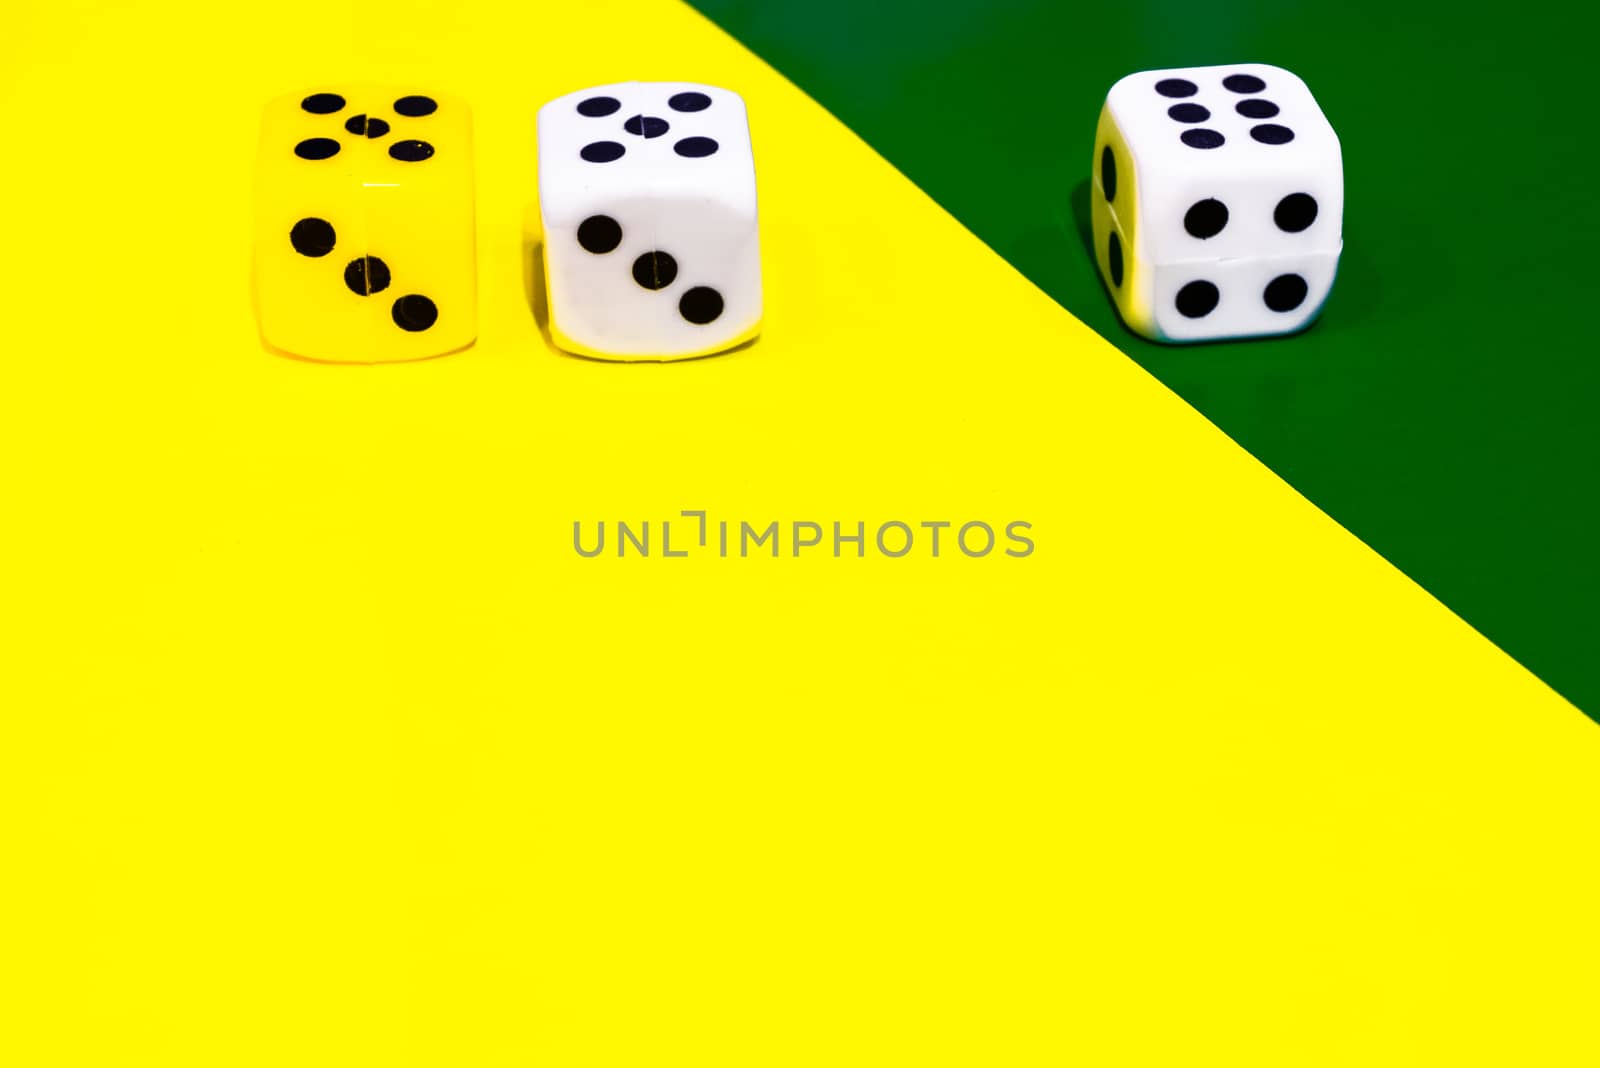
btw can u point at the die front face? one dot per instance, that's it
(365, 250)
(647, 196)
(1221, 166)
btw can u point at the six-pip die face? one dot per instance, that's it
(365, 244)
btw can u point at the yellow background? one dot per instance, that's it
(322, 746)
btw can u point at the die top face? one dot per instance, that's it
(1242, 116)
(1229, 160)
(370, 136)
(645, 139)
(365, 248)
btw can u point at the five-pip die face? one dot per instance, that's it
(365, 249)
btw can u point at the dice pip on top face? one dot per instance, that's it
(364, 244)
(1217, 202)
(647, 195)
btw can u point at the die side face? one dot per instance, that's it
(1114, 216)
(1233, 162)
(648, 201)
(365, 248)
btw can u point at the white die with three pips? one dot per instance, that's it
(1217, 202)
(647, 194)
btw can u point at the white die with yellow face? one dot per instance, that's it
(1217, 177)
(647, 196)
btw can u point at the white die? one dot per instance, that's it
(1225, 206)
(647, 194)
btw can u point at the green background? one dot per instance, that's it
(1444, 408)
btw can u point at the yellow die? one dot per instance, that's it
(365, 250)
